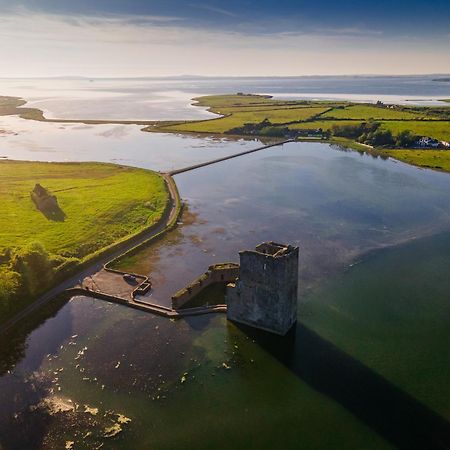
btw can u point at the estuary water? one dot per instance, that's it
(120, 144)
(367, 366)
(170, 98)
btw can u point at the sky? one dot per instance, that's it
(135, 38)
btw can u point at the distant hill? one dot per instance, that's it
(442, 79)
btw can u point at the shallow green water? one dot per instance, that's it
(367, 366)
(392, 313)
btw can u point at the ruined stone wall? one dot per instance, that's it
(265, 295)
(217, 273)
(45, 201)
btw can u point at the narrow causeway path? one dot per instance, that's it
(214, 161)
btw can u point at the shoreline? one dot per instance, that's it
(14, 106)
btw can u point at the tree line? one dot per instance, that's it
(28, 272)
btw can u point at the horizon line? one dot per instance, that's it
(97, 77)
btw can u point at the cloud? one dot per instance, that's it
(39, 44)
(23, 12)
(350, 31)
(213, 9)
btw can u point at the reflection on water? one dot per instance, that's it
(110, 99)
(121, 144)
(335, 205)
(112, 362)
(205, 383)
(170, 98)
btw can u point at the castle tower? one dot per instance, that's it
(265, 294)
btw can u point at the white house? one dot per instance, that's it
(427, 142)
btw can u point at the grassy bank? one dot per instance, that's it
(430, 159)
(98, 205)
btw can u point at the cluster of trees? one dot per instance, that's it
(266, 128)
(366, 132)
(355, 131)
(406, 139)
(251, 128)
(263, 128)
(28, 272)
(371, 133)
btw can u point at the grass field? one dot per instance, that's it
(438, 130)
(434, 159)
(237, 119)
(366, 112)
(298, 115)
(324, 124)
(100, 204)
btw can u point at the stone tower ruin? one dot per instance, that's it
(265, 294)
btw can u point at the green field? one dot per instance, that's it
(238, 110)
(324, 124)
(238, 118)
(433, 159)
(436, 129)
(99, 205)
(366, 112)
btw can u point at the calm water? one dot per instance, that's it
(334, 204)
(166, 99)
(120, 144)
(368, 366)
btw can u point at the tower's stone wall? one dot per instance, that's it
(265, 294)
